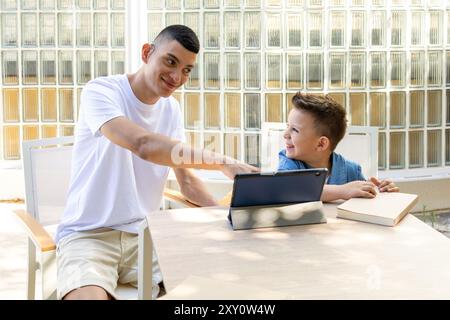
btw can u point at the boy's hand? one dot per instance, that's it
(359, 189)
(385, 185)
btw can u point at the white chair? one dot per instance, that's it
(360, 144)
(46, 164)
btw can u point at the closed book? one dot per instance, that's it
(387, 208)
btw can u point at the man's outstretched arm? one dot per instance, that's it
(165, 151)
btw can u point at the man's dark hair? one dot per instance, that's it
(182, 34)
(329, 115)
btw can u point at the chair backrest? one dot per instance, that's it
(360, 144)
(46, 165)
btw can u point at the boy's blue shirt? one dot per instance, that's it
(342, 170)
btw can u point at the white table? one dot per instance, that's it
(341, 259)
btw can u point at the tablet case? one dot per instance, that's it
(276, 199)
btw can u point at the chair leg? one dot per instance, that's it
(48, 275)
(31, 270)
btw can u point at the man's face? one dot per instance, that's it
(167, 68)
(300, 136)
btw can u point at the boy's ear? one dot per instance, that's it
(323, 144)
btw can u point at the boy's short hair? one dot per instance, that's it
(329, 116)
(182, 34)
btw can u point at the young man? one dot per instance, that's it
(127, 137)
(316, 124)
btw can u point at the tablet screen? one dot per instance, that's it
(283, 187)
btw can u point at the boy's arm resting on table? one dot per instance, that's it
(165, 151)
(354, 189)
(193, 188)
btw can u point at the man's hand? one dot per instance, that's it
(359, 189)
(385, 185)
(233, 167)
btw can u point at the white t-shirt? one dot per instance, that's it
(110, 186)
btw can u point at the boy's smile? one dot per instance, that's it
(302, 140)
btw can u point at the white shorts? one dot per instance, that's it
(103, 258)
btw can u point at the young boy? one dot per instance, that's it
(315, 126)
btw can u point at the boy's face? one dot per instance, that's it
(168, 66)
(301, 139)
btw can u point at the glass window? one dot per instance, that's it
(358, 29)
(274, 107)
(47, 29)
(10, 68)
(378, 109)
(232, 27)
(211, 70)
(274, 72)
(29, 29)
(252, 27)
(295, 27)
(417, 68)
(233, 145)
(29, 67)
(212, 30)
(397, 150)
(101, 29)
(378, 69)
(398, 69)
(83, 67)
(212, 111)
(294, 71)
(212, 142)
(378, 19)
(252, 70)
(65, 67)
(233, 71)
(30, 105)
(11, 142)
(358, 109)
(417, 109)
(434, 114)
(337, 25)
(273, 22)
(434, 68)
(397, 109)
(9, 30)
(66, 105)
(83, 29)
(436, 26)
(337, 70)
(11, 112)
(417, 23)
(48, 105)
(357, 70)
(252, 111)
(434, 148)
(314, 70)
(398, 28)
(101, 62)
(315, 25)
(416, 143)
(65, 29)
(232, 111)
(252, 149)
(48, 67)
(192, 116)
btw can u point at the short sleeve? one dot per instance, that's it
(284, 163)
(98, 106)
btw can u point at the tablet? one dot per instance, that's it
(276, 198)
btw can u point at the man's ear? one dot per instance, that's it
(323, 144)
(147, 49)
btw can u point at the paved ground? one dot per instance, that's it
(13, 255)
